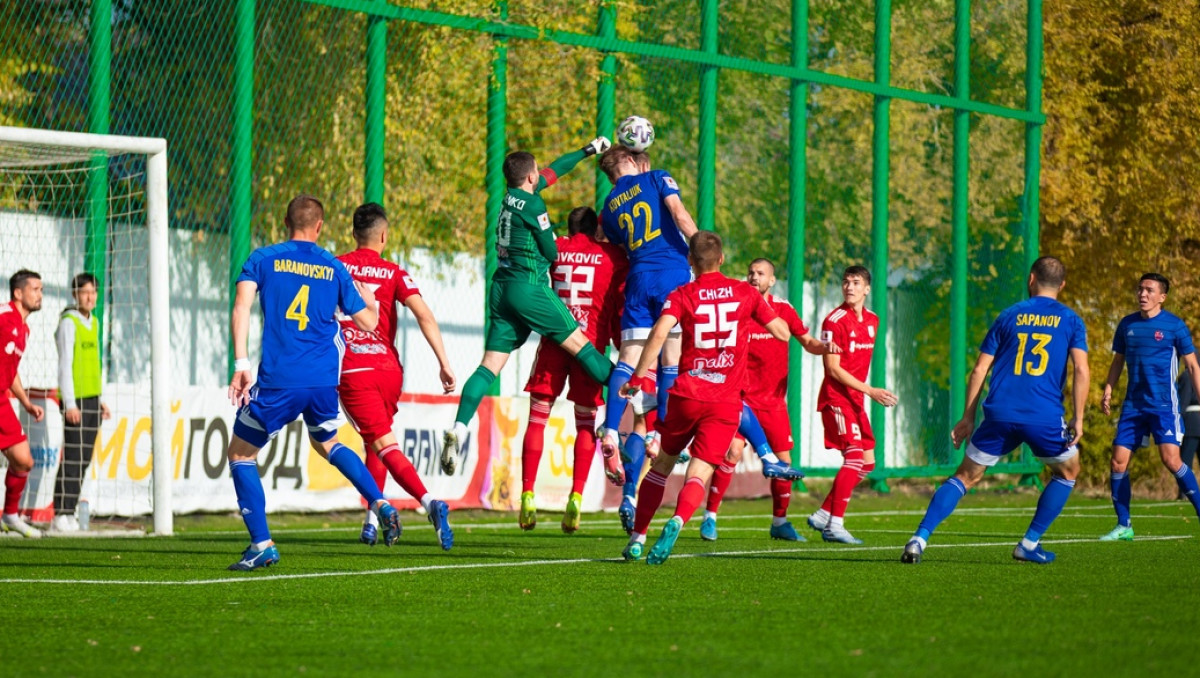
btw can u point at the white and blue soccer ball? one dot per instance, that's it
(635, 133)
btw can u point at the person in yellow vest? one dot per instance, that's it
(79, 379)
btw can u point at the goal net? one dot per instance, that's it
(80, 203)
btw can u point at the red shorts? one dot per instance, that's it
(847, 429)
(370, 400)
(10, 427)
(550, 372)
(777, 425)
(709, 427)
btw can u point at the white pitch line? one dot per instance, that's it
(529, 563)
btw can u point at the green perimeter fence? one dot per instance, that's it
(903, 135)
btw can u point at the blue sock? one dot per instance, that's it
(616, 404)
(251, 499)
(1050, 504)
(1187, 485)
(752, 431)
(635, 452)
(941, 506)
(666, 379)
(1121, 493)
(344, 459)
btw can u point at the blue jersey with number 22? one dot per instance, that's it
(1031, 342)
(636, 217)
(300, 288)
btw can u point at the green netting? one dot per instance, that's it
(174, 66)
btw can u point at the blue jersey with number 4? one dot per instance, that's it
(1031, 342)
(1152, 348)
(300, 288)
(635, 216)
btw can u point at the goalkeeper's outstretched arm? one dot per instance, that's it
(566, 163)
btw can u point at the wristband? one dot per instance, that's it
(644, 384)
(242, 365)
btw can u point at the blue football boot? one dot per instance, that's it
(627, 512)
(252, 560)
(1035, 555)
(666, 542)
(439, 517)
(389, 518)
(708, 529)
(786, 532)
(369, 535)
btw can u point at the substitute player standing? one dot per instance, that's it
(644, 214)
(766, 394)
(372, 377)
(1029, 345)
(25, 290)
(521, 300)
(588, 276)
(301, 287)
(715, 314)
(1152, 341)
(852, 328)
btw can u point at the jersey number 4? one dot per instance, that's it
(573, 282)
(1038, 351)
(298, 310)
(718, 320)
(627, 222)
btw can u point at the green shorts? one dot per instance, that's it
(515, 309)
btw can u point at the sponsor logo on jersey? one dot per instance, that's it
(861, 345)
(826, 336)
(543, 221)
(871, 331)
(721, 362)
(409, 282)
(670, 183)
(759, 336)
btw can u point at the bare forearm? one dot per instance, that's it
(18, 390)
(1081, 384)
(240, 330)
(1114, 371)
(433, 336)
(654, 344)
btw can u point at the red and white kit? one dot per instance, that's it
(716, 315)
(842, 408)
(372, 377)
(766, 392)
(13, 335)
(589, 277)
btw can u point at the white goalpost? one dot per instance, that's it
(54, 220)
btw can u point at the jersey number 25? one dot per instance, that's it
(718, 319)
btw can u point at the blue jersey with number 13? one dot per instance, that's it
(1031, 342)
(636, 217)
(300, 288)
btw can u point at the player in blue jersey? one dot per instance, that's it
(645, 215)
(300, 288)
(1151, 341)
(1029, 345)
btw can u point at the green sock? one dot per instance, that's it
(473, 392)
(598, 367)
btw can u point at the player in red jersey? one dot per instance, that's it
(588, 276)
(25, 288)
(765, 397)
(714, 313)
(841, 404)
(372, 377)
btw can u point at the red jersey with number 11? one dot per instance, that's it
(391, 284)
(715, 313)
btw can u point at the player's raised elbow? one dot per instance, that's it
(366, 320)
(779, 329)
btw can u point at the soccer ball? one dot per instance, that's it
(636, 133)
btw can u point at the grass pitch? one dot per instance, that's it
(542, 603)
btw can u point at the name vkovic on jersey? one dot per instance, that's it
(370, 271)
(304, 268)
(579, 258)
(1036, 320)
(715, 294)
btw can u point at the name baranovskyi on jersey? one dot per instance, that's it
(304, 268)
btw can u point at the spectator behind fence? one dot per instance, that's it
(79, 380)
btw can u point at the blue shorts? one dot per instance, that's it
(645, 294)
(271, 409)
(1135, 427)
(994, 439)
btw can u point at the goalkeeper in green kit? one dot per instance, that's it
(521, 299)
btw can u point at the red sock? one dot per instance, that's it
(651, 420)
(844, 482)
(585, 448)
(535, 441)
(402, 470)
(376, 468)
(720, 484)
(866, 471)
(689, 499)
(14, 486)
(650, 495)
(781, 496)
